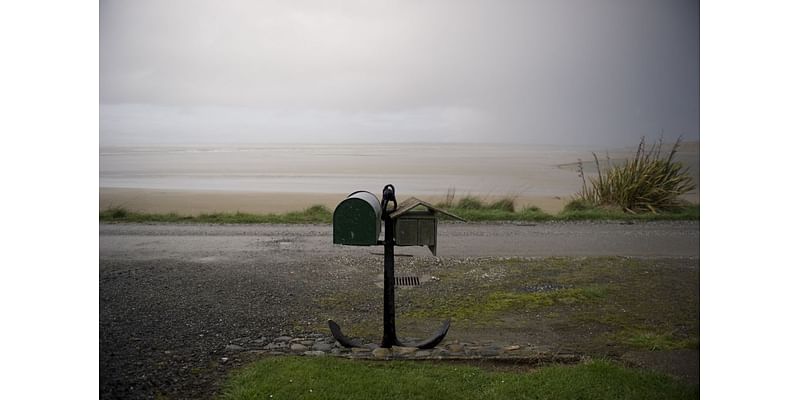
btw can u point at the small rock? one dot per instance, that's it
(382, 352)
(223, 360)
(314, 353)
(321, 346)
(298, 347)
(283, 338)
(490, 352)
(233, 348)
(511, 348)
(278, 345)
(422, 354)
(455, 348)
(404, 350)
(306, 342)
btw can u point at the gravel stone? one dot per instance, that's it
(233, 348)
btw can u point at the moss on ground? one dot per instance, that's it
(596, 305)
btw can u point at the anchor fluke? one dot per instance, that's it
(432, 341)
(340, 337)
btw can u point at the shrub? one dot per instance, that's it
(649, 182)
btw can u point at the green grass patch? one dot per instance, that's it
(477, 215)
(505, 204)
(501, 210)
(592, 304)
(317, 214)
(582, 211)
(333, 378)
(476, 210)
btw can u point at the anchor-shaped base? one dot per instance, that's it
(428, 343)
(389, 331)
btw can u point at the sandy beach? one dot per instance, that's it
(197, 202)
(281, 178)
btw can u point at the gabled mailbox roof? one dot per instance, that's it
(412, 202)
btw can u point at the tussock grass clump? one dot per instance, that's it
(473, 203)
(505, 204)
(650, 182)
(114, 212)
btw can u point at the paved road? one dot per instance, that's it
(206, 242)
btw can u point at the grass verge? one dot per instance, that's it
(331, 378)
(313, 215)
(322, 215)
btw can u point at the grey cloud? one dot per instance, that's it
(560, 71)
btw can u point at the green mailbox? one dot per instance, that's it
(357, 220)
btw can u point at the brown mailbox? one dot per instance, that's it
(416, 223)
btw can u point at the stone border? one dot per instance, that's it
(317, 345)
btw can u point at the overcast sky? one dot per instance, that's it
(596, 72)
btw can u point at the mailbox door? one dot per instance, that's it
(427, 232)
(415, 229)
(357, 220)
(406, 231)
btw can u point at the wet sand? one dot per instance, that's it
(197, 202)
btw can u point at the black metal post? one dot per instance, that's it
(389, 331)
